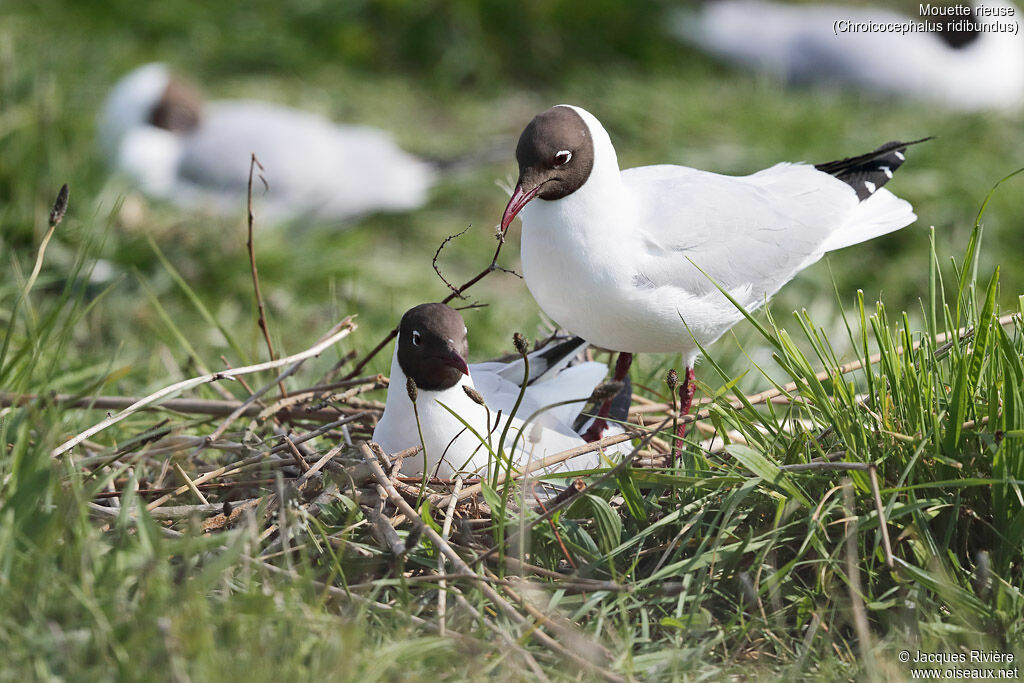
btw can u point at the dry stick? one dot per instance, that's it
(860, 618)
(194, 406)
(845, 368)
(346, 326)
(190, 484)
(180, 511)
(460, 565)
(251, 246)
(446, 529)
(227, 470)
(234, 468)
(455, 293)
(882, 524)
(201, 487)
(437, 254)
(299, 460)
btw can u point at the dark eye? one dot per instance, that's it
(415, 338)
(562, 157)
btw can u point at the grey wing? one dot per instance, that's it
(749, 234)
(287, 143)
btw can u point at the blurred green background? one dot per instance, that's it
(448, 78)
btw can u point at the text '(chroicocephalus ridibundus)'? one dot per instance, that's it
(430, 350)
(157, 131)
(963, 57)
(632, 260)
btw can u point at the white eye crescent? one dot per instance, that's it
(562, 157)
(415, 338)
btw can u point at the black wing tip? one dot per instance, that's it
(553, 354)
(869, 172)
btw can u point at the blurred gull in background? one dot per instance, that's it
(157, 131)
(963, 66)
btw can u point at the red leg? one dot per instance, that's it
(600, 424)
(685, 400)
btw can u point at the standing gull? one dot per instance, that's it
(632, 260)
(431, 350)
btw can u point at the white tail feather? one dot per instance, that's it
(881, 213)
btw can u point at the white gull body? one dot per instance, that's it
(452, 449)
(800, 43)
(314, 168)
(618, 262)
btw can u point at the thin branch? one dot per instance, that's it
(191, 485)
(250, 245)
(442, 586)
(456, 292)
(860, 617)
(344, 328)
(192, 406)
(437, 270)
(882, 524)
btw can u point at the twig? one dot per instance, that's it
(189, 483)
(860, 618)
(346, 326)
(442, 586)
(882, 524)
(437, 270)
(299, 460)
(201, 487)
(251, 246)
(192, 406)
(455, 292)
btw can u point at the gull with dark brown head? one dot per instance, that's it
(462, 409)
(632, 261)
(157, 130)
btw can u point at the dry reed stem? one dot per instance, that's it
(250, 246)
(446, 529)
(860, 617)
(191, 485)
(882, 524)
(344, 328)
